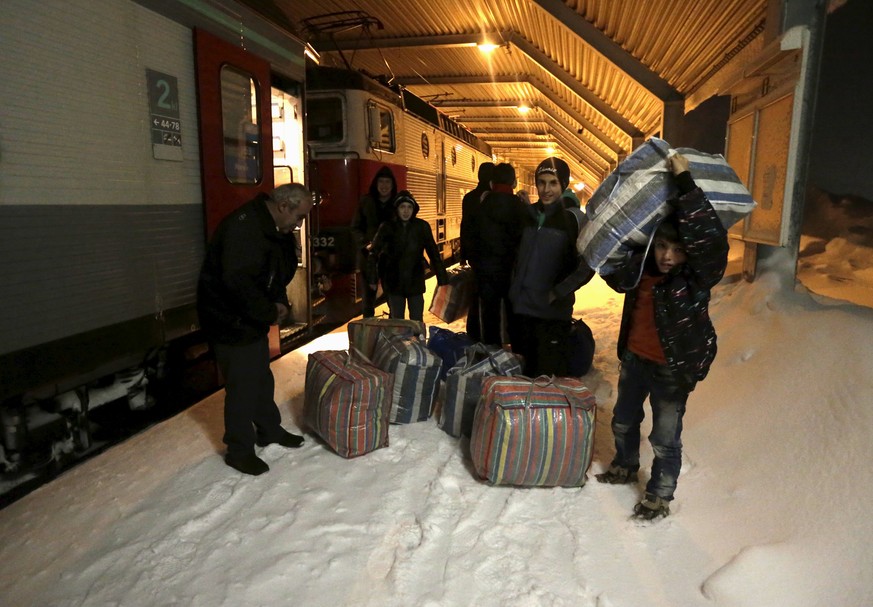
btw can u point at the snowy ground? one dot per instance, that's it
(770, 509)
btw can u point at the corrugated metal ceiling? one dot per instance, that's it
(596, 72)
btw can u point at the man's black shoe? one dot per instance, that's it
(286, 439)
(247, 463)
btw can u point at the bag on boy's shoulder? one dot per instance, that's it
(364, 332)
(347, 402)
(533, 432)
(464, 385)
(627, 206)
(416, 371)
(448, 345)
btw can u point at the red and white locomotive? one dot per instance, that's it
(356, 125)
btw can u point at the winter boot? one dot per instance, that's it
(651, 507)
(616, 475)
(284, 438)
(247, 463)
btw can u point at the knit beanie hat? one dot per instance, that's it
(556, 167)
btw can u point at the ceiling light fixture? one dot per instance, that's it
(523, 108)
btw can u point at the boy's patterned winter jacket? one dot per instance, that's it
(682, 298)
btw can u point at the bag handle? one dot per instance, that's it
(354, 352)
(480, 349)
(553, 381)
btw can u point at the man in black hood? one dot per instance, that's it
(469, 209)
(374, 208)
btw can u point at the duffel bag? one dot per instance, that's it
(464, 385)
(533, 432)
(347, 402)
(581, 349)
(448, 345)
(364, 332)
(416, 373)
(628, 205)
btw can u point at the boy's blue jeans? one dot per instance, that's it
(641, 378)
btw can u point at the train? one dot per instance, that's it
(356, 125)
(131, 127)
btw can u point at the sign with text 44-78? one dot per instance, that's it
(164, 123)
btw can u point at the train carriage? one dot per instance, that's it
(130, 129)
(355, 126)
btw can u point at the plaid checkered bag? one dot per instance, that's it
(364, 333)
(533, 432)
(347, 402)
(627, 206)
(451, 301)
(416, 371)
(464, 385)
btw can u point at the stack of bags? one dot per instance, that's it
(523, 431)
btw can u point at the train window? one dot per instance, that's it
(381, 127)
(239, 115)
(324, 119)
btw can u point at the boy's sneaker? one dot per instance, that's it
(616, 475)
(651, 507)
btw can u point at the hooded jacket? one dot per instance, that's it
(681, 299)
(372, 211)
(398, 248)
(469, 209)
(497, 232)
(248, 264)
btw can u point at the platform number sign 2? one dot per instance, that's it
(164, 123)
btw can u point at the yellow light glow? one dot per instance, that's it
(523, 108)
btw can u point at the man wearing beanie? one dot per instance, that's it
(548, 272)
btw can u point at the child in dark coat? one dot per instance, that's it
(666, 342)
(398, 249)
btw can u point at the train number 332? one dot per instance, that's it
(323, 241)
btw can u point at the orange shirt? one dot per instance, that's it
(643, 339)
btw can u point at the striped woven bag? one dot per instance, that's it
(533, 432)
(347, 402)
(416, 371)
(629, 204)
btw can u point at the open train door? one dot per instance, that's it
(233, 100)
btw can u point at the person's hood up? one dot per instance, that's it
(486, 172)
(383, 172)
(405, 196)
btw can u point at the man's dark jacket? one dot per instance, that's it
(496, 228)
(247, 268)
